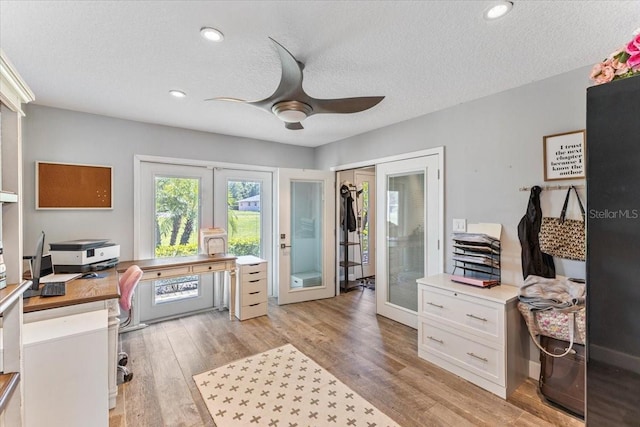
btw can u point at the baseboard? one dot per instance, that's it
(534, 370)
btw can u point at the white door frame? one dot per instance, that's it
(149, 309)
(287, 295)
(220, 211)
(405, 156)
(427, 165)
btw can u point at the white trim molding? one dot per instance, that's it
(13, 90)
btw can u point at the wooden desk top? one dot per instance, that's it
(79, 291)
(156, 263)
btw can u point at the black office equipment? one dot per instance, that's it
(53, 289)
(35, 263)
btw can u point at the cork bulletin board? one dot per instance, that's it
(73, 186)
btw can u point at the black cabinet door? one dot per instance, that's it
(613, 253)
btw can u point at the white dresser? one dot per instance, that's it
(476, 333)
(251, 291)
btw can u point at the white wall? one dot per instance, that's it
(57, 135)
(493, 146)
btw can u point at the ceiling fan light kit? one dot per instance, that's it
(291, 104)
(291, 111)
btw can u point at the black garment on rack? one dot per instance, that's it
(349, 217)
(534, 261)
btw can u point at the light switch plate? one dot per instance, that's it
(459, 225)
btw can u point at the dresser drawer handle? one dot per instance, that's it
(477, 318)
(254, 281)
(253, 265)
(253, 293)
(253, 305)
(484, 359)
(435, 339)
(210, 267)
(435, 305)
(254, 272)
(158, 274)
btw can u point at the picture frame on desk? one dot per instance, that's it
(73, 186)
(564, 155)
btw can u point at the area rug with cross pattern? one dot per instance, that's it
(283, 387)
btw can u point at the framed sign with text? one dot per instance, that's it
(564, 155)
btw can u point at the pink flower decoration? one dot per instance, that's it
(634, 62)
(622, 63)
(633, 46)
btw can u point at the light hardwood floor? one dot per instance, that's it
(375, 356)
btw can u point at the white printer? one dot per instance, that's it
(80, 256)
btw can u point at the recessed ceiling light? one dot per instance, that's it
(211, 34)
(177, 93)
(498, 10)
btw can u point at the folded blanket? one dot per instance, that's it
(540, 293)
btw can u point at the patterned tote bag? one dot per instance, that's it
(562, 237)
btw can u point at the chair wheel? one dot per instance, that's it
(128, 377)
(123, 361)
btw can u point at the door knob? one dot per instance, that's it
(283, 246)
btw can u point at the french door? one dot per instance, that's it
(248, 214)
(366, 181)
(408, 233)
(306, 230)
(175, 202)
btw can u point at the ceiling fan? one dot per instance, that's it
(292, 105)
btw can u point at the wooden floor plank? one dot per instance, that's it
(375, 356)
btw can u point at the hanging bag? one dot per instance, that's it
(562, 237)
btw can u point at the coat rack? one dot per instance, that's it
(553, 187)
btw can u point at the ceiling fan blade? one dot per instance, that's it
(224, 98)
(344, 105)
(293, 126)
(290, 86)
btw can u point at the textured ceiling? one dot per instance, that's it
(120, 58)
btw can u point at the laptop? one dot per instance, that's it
(48, 275)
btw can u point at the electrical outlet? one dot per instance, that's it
(459, 225)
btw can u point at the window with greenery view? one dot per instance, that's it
(244, 217)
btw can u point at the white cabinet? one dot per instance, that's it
(65, 377)
(476, 333)
(251, 291)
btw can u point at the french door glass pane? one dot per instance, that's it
(244, 217)
(405, 237)
(306, 234)
(177, 212)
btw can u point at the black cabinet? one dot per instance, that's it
(613, 253)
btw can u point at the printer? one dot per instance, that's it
(80, 256)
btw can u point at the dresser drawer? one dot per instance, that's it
(474, 315)
(208, 268)
(252, 286)
(461, 350)
(253, 298)
(251, 269)
(165, 273)
(253, 276)
(249, 311)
